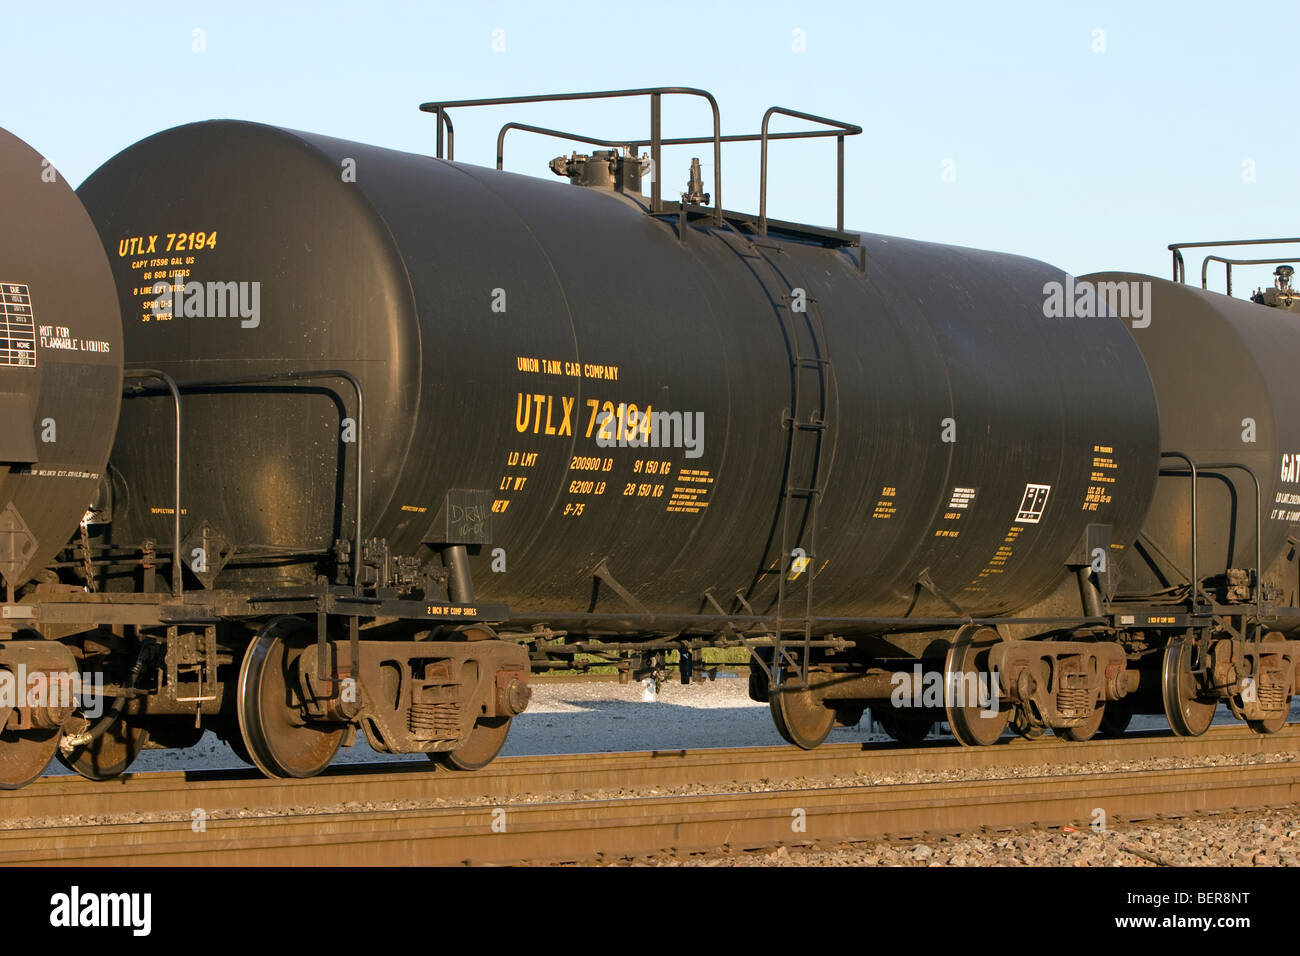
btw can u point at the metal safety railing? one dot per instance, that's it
(838, 129)
(176, 389)
(656, 94)
(656, 141)
(1197, 470)
(169, 383)
(1180, 266)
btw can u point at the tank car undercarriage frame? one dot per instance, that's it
(419, 676)
(1081, 677)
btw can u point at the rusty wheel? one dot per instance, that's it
(910, 730)
(1274, 722)
(799, 717)
(280, 741)
(107, 756)
(480, 747)
(1189, 715)
(1086, 730)
(978, 722)
(24, 755)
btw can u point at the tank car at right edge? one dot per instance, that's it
(1218, 548)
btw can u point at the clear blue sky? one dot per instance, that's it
(1086, 159)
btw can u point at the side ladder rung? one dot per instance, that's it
(812, 425)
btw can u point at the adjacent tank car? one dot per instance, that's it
(60, 390)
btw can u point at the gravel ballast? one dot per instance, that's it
(1258, 838)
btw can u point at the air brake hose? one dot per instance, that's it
(71, 742)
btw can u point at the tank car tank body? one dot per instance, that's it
(898, 427)
(493, 319)
(60, 360)
(1246, 418)
(60, 390)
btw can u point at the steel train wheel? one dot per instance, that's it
(480, 747)
(279, 740)
(1274, 723)
(968, 656)
(908, 729)
(109, 755)
(1271, 725)
(1086, 730)
(24, 755)
(1188, 714)
(799, 717)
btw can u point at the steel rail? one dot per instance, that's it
(508, 777)
(582, 830)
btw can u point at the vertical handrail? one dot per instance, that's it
(178, 587)
(839, 183)
(656, 154)
(848, 128)
(1258, 586)
(1191, 465)
(441, 117)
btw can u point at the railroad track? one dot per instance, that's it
(319, 821)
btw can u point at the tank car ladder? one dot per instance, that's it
(808, 354)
